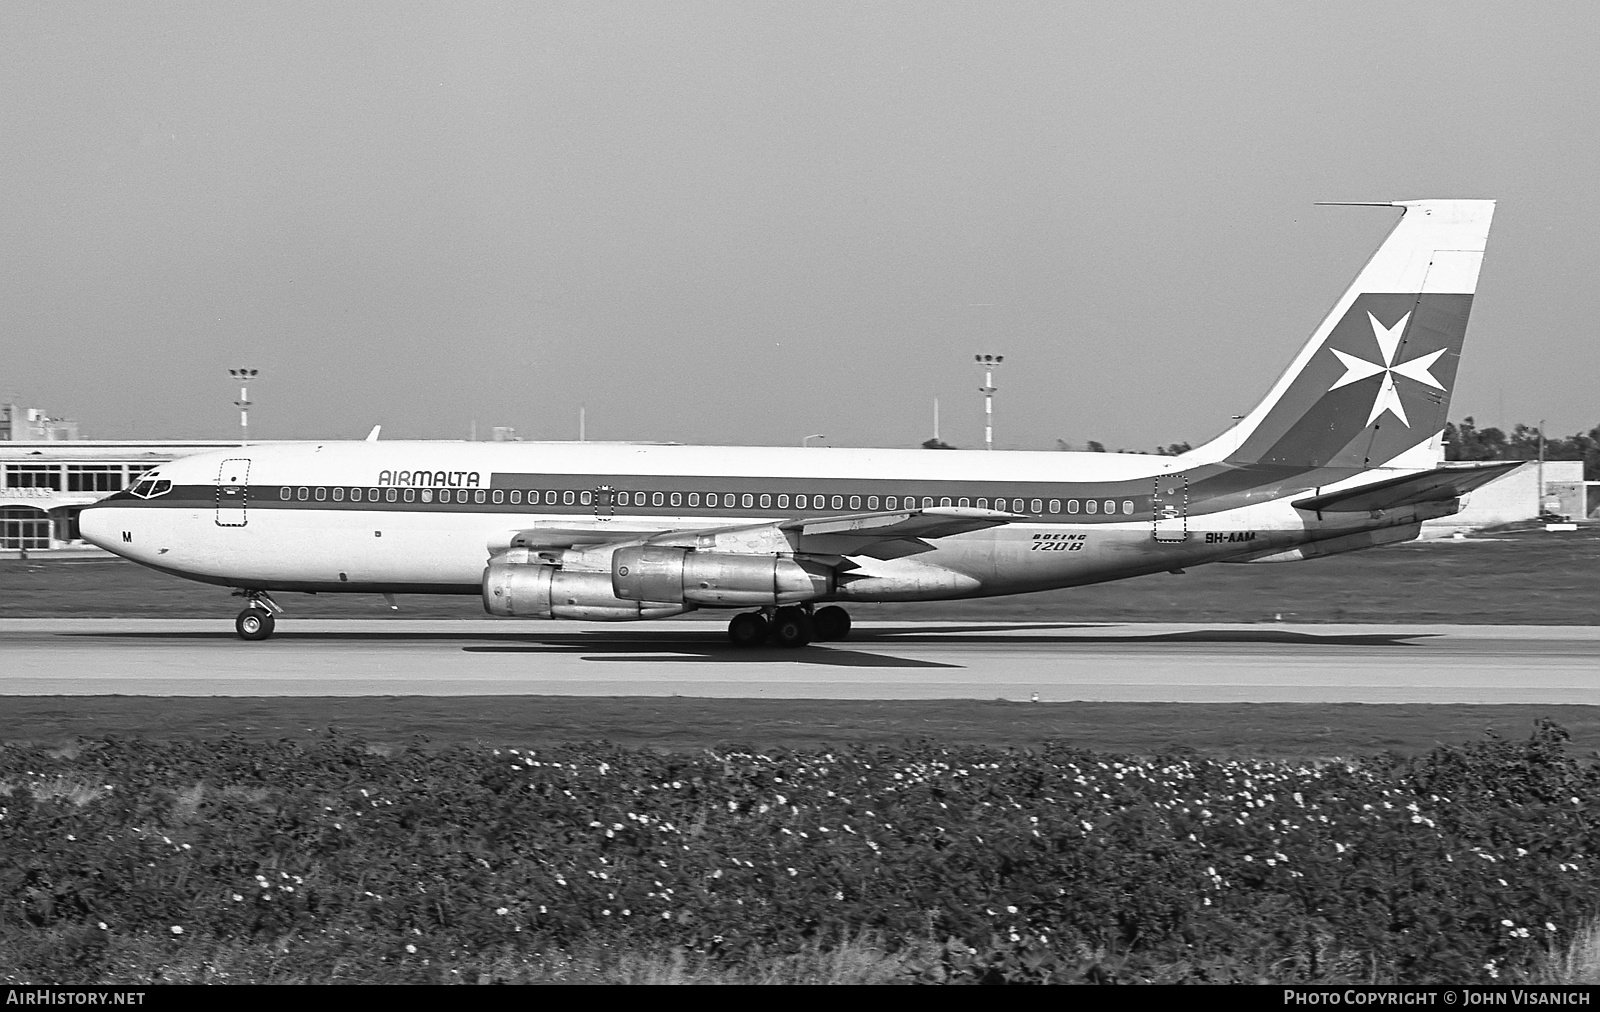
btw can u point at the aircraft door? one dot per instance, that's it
(233, 492)
(1169, 507)
(604, 502)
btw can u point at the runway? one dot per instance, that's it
(931, 660)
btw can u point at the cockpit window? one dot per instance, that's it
(149, 488)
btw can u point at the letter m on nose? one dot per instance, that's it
(127, 535)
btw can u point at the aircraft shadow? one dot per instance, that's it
(916, 635)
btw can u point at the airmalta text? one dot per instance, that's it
(431, 479)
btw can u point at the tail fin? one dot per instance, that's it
(1372, 386)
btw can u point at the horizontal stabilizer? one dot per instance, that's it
(1448, 481)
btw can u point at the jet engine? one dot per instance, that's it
(530, 590)
(657, 573)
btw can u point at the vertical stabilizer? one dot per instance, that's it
(1372, 386)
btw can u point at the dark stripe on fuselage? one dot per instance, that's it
(1206, 489)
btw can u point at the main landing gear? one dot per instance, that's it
(793, 626)
(256, 622)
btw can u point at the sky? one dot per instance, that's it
(749, 223)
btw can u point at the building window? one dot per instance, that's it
(34, 476)
(94, 477)
(284, 493)
(1127, 507)
(1036, 507)
(24, 527)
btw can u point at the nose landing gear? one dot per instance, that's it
(256, 622)
(793, 626)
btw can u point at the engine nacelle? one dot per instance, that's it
(528, 590)
(657, 573)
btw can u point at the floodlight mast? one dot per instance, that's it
(988, 363)
(244, 376)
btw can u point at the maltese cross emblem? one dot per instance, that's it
(1416, 369)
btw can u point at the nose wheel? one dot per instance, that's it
(254, 624)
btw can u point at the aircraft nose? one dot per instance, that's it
(95, 525)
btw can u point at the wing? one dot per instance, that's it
(877, 535)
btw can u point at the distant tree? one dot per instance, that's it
(936, 444)
(1174, 449)
(1095, 446)
(1465, 441)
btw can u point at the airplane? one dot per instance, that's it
(1344, 453)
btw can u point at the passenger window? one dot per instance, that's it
(872, 502)
(478, 496)
(427, 495)
(391, 494)
(570, 498)
(891, 502)
(838, 502)
(622, 498)
(516, 496)
(964, 502)
(586, 498)
(783, 502)
(338, 495)
(1036, 507)
(1127, 507)
(800, 502)
(766, 500)
(1072, 505)
(983, 503)
(1091, 506)
(927, 502)
(1110, 506)
(355, 495)
(409, 495)
(945, 501)
(657, 499)
(694, 498)
(498, 496)
(1016, 505)
(748, 500)
(302, 493)
(1055, 505)
(677, 499)
(855, 502)
(284, 493)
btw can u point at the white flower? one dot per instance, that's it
(411, 948)
(103, 926)
(177, 929)
(237, 898)
(1011, 910)
(502, 911)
